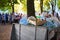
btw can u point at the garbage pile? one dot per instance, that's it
(43, 19)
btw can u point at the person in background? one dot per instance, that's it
(42, 16)
(9, 18)
(12, 16)
(55, 20)
(3, 18)
(57, 16)
(0, 18)
(38, 16)
(20, 15)
(6, 15)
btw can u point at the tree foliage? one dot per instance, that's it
(6, 4)
(24, 3)
(30, 8)
(46, 4)
(58, 3)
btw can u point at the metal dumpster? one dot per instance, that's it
(29, 32)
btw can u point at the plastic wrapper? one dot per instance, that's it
(23, 21)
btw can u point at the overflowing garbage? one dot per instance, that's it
(23, 21)
(43, 19)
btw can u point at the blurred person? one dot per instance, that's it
(52, 21)
(9, 18)
(42, 16)
(55, 20)
(0, 18)
(20, 15)
(3, 18)
(6, 15)
(12, 16)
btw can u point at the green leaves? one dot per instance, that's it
(46, 5)
(24, 3)
(6, 4)
(58, 3)
(15, 1)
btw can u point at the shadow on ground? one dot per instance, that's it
(13, 33)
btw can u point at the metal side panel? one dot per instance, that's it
(17, 30)
(41, 33)
(27, 32)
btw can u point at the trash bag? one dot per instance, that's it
(42, 17)
(57, 24)
(23, 21)
(32, 18)
(38, 16)
(50, 25)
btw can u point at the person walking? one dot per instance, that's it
(6, 15)
(0, 18)
(3, 18)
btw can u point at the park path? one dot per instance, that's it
(5, 31)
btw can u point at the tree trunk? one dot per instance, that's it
(12, 4)
(30, 8)
(52, 10)
(41, 5)
(53, 7)
(13, 8)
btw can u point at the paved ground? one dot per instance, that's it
(5, 31)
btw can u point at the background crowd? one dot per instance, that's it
(9, 18)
